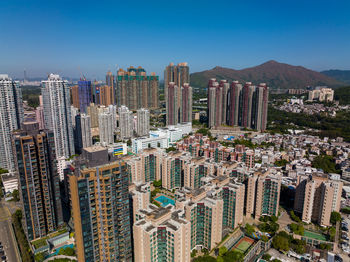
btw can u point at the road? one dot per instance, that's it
(7, 237)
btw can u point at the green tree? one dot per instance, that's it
(169, 149)
(249, 229)
(233, 256)
(204, 259)
(280, 243)
(222, 250)
(39, 257)
(15, 195)
(194, 253)
(266, 257)
(157, 183)
(335, 217)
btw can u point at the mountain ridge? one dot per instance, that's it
(275, 74)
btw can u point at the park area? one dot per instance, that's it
(243, 245)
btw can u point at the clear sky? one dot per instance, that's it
(69, 37)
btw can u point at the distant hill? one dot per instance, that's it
(340, 75)
(342, 94)
(276, 75)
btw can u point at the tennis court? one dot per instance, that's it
(243, 245)
(315, 235)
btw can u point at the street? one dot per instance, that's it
(7, 238)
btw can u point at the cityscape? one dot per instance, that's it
(160, 159)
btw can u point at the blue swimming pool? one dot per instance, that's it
(164, 200)
(58, 249)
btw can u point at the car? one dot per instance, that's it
(337, 258)
(345, 229)
(3, 258)
(2, 253)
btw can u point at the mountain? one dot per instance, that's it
(276, 75)
(340, 75)
(342, 94)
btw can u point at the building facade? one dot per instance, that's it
(38, 182)
(105, 126)
(11, 118)
(57, 114)
(237, 105)
(99, 198)
(142, 127)
(125, 122)
(137, 90)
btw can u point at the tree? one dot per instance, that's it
(157, 183)
(297, 229)
(294, 217)
(233, 256)
(280, 243)
(169, 149)
(204, 259)
(39, 257)
(222, 250)
(266, 257)
(331, 233)
(15, 195)
(335, 217)
(194, 253)
(249, 229)
(128, 143)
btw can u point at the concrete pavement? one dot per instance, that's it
(7, 237)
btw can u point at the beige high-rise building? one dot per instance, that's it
(145, 167)
(205, 214)
(140, 195)
(263, 194)
(316, 198)
(160, 235)
(194, 170)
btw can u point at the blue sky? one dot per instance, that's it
(69, 37)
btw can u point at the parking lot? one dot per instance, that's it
(344, 243)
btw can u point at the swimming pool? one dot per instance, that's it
(58, 249)
(164, 200)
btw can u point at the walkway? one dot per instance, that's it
(60, 256)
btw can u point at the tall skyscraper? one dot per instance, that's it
(39, 182)
(236, 105)
(113, 110)
(57, 114)
(85, 96)
(75, 96)
(172, 113)
(186, 103)
(142, 127)
(137, 90)
(111, 84)
(179, 75)
(105, 95)
(39, 113)
(100, 207)
(105, 126)
(83, 137)
(125, 122)
(11, 118)
(214, 103)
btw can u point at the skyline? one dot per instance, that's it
(85, 37)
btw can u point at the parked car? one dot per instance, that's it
(345, 229)
(337, 258)
(3, 258)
